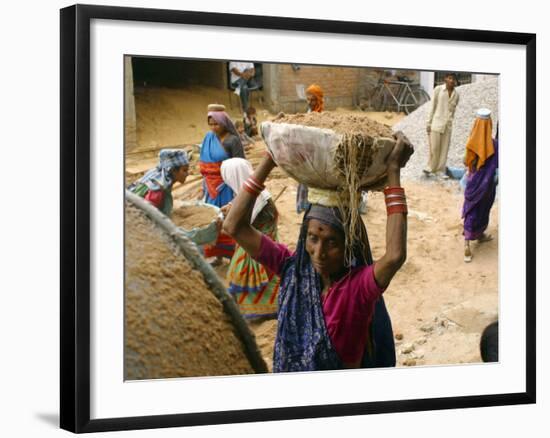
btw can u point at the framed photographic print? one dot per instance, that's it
(191, 142)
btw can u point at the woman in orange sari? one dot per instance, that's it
(315, 99)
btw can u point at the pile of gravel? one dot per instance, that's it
(483, 94)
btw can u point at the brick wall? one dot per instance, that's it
(335, 81)
(340, 85)
(344, 87)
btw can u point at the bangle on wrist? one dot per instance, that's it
(256, 183)
(248, 187)
(394, 190)
(396, 201)
(397, 207)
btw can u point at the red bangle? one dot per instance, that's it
(394, 190)
(393, 197)
(252, 179)
(253, 191)
(397, 208)
(252, 186)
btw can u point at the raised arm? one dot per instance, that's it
(236, 71)
(237, 223)
(249, 73)
(396, 225)
(246, 74)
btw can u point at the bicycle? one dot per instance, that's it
(402, 94)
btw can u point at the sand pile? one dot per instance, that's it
(174, 325)
(342, 123)
(483, 94)
(194, 216)
(174, 116)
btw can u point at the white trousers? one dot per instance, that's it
(439, 149)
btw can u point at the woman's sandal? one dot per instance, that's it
(467, 255)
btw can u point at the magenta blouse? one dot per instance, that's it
(348, 305)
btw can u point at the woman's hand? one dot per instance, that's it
(401, 152)
(200, 196)
(219, 224)
(268, 162)
(225, 209)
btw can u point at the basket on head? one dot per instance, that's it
(216, 107)
(330, 158)
(340, 154)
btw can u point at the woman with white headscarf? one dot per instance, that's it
(254, 288)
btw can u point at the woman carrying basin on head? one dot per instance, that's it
(331, 314)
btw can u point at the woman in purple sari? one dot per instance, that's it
(479, 195)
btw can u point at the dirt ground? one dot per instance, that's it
(438, 304)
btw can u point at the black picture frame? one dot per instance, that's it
(75, 217)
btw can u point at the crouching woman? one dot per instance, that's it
(331, 314)
(156, 185)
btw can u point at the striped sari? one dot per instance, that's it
(254, 288)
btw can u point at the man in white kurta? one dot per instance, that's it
(440, 124)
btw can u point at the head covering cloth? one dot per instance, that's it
(235, 171)
(317, 91)
(223, 119)
(160, 177)
(479, 146)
